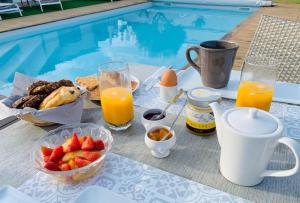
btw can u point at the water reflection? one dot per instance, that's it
(156, 36)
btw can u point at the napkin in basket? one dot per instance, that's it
(65, 114)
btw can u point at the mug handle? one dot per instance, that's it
(295, 148)
(190, 60)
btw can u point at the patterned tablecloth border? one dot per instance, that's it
(131, 179)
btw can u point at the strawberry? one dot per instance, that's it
(46, 151)
(91, 156)
(74, 144)
(57, 154)
(99, 145)
(46, 158)
(65, 167)
(52, 166)
(88, 144)
(80, 162)
(82, 139)
(60, 162)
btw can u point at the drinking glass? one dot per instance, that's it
(258, 77)
(116, 95)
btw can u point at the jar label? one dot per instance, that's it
(200, 120)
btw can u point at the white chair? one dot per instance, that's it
(48, 2)
(6, 8)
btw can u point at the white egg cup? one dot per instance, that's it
(160, 149)
(167, 93)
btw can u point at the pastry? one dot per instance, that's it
(94, 95)
(18, 104)
(34, 101)
(133, 85)
(89, 82)
(38, 84)
(44, 87)
(67, 83)
(62, 95)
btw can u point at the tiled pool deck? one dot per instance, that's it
(242, 34)
(26, 21)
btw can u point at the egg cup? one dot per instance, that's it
(167, 93)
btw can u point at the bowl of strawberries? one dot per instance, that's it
(73, 153)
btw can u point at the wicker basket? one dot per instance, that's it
(34, 120)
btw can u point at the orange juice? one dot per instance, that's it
(255, 94)
(117, 105)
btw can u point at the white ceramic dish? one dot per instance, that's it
(152, 123)
(94, 194)
(9, 194)
(160, 149)
(135, 79)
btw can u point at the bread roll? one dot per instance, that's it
(63, 95)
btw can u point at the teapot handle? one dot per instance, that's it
(295, 148)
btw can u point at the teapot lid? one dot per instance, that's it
(252, 121)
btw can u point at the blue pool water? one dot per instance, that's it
(156, 35)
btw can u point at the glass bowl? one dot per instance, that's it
(58, 137)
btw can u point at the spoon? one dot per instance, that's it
(173, 124)
(172, 101)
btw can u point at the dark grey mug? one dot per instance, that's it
(214, 62)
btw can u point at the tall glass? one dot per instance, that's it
(258, 77)
(116, 95)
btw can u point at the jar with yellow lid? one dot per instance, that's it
(199, 116)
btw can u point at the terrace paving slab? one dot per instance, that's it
(27, 21)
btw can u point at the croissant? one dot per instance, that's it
(60, 96)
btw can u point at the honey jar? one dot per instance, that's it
(199, 116)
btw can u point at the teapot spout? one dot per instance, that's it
(218, 111)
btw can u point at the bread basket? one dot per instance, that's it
(34, 120)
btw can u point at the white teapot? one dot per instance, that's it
(248, 137)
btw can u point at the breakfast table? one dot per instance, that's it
(189, 174)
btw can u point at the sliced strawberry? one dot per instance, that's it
(74, 144)
(99, 145)
(88, 144)
(46, 151)
(57, 154)
(65, 167)
(82, 139)
(60, 162)
(80, 162)
(46, 158)
(52, 166)
(91, 156)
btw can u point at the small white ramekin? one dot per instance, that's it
(160, 149)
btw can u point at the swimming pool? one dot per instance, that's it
(152, 33)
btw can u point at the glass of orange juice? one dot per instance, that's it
(258, 77)
(116, 95)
